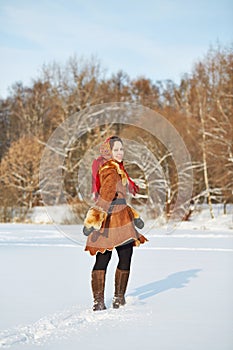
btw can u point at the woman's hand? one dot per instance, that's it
(87, 231)
(139, 223)
(93, 220)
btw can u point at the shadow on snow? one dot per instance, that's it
(174, 281)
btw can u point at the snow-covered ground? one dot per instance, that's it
(180, 293)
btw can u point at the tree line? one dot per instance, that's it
(200, 107)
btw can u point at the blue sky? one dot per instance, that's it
(156, 39)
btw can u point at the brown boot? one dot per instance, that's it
(121, 281)
(98, 283)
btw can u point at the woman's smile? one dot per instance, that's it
(118, 151)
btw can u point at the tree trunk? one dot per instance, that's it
(204, 159)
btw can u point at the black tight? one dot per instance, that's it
(124, 254)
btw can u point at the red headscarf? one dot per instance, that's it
(106, 154)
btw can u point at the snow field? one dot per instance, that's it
(179, 294)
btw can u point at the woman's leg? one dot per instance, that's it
(98, 279)
(122, 274)
(125, 253)
(102, 260)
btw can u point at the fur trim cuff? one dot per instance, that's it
(95, 217)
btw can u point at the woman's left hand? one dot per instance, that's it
(139, 223)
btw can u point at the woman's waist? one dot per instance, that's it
(118, 201)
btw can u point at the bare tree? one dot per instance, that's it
(200, 108)
(19, 170)
(145, 92)
(76, 83)
(205, 97)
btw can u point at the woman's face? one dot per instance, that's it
(118, 151)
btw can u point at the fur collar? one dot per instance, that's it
(114, 164)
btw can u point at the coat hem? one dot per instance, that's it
(136, 243)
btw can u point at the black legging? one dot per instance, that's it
(124, 254)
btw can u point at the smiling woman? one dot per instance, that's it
(117, 150)
(110, 223)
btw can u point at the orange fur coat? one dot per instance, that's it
(113, 225)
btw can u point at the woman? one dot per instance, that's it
(110, 223)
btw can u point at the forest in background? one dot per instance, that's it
(200, 107)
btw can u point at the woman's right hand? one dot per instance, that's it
(87, 231)
(93, 220)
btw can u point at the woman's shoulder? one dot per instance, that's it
(109, 164)
(113, 166)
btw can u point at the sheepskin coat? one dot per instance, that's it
(113, 224)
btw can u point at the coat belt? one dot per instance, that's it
(118, 201)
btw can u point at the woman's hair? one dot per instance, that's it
(113, 139)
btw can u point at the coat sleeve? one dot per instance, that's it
(108, 185)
